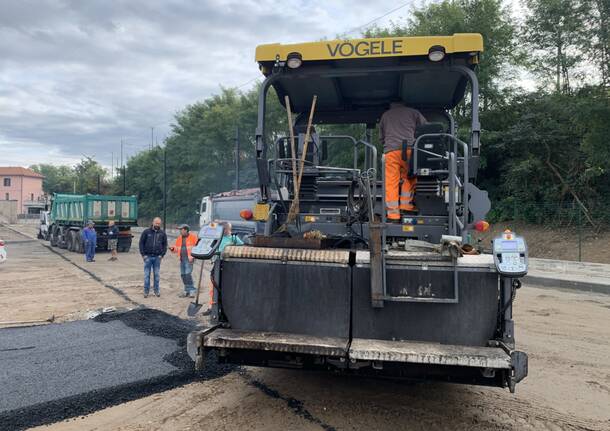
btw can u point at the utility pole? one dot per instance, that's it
(164, 187)
(99, 181)
(152, 133)
(112, 165)
(237, 158)
(123, 168)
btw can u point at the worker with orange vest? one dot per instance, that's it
(397, 135)
(183, 246)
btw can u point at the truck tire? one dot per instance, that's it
(124, 246)
(53, 236)
(62, 238)
(72, 246)
(78, 242)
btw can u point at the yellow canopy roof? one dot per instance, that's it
(371, 48)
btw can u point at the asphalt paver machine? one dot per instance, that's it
(336, 286)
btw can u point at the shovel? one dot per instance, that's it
(195, 307)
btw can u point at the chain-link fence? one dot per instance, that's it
(566, 231)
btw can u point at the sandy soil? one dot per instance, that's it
(566, 335)
(37, 282)
(549, 243)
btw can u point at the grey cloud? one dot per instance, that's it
(77, 76)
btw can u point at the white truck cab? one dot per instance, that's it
(205, 211)
(43, 229)
(226, 206)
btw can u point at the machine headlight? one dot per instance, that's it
(294, 60)
(436, 53)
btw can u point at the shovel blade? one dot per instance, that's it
(193, 309)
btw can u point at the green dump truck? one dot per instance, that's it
(69, 214)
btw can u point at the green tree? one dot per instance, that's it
(201, 153)
(555, 32)
(57, 179)
(90, 177)
(598, 36)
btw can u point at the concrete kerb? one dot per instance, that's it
(568, 284)
(562, 274)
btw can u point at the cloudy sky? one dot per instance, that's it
(77, 76)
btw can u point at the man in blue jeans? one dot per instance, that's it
(182, 247)
(89, 237)
(153, 246)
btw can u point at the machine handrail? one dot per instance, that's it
(452, 175)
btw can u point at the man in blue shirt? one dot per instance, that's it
(89, 237)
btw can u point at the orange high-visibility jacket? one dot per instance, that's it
(191, 241)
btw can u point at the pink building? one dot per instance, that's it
(24, 186)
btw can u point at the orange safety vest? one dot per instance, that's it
(191, 241)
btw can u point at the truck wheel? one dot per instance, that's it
(71, 240)
(61, 238)
(124, 246)
(53, 236)
(78, 243)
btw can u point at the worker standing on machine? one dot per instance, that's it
(397, 135)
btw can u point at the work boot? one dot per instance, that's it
(146, 295)
(183, 295)
(207, 312)
(157, 294)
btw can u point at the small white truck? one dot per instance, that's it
(226, 206)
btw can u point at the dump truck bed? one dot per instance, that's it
(78, 209)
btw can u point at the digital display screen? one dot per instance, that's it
(509, 245)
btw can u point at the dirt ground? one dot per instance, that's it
(566, 335)
(60, 283)
(548, 243)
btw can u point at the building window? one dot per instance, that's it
(32, 196)
(7, 182)
(7, 197)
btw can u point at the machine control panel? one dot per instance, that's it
(510, 254)
(210, 237)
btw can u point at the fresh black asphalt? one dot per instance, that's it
(52, 372)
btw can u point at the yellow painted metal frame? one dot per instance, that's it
(371, 48)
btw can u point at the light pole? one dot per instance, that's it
(164, 187)
(123, 169)
(237, 158)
